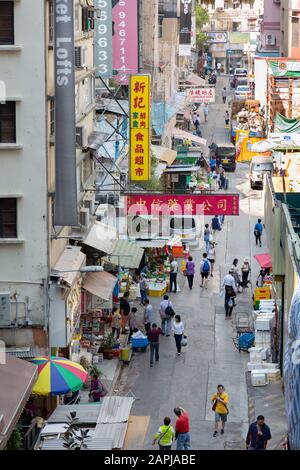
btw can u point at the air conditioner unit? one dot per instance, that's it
(80, 56)
(81, 137)
(5, 312)
(276, 1)
(270, 40)
(84, 217)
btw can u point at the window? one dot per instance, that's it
(251, 4)
(51, 19)
(8, 122)
(8, 218)
(52, 117)
(6, 22)
(235, 26)
(295, 31)
(226, 5)
(161, 15)
(76, 18)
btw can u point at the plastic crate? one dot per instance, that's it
(139, 342)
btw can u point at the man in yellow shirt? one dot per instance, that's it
(220, 401)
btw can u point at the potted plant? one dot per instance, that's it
(108, 343)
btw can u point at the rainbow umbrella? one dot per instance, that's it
(58, 376)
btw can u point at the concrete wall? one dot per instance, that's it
(289, 46)
(23, 171)
(270, 25)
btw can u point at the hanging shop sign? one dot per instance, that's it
(201, 95)
(185, 31)
(125, 39)
(216, 37)
(103, 39)
(65, 210)
(140, 157)
(285, 68)
(182, 204)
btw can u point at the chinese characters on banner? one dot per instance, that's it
(140, 158)
(185, 44)
(182, 204)
(125, 39)
(201, 95)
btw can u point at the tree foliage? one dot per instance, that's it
(202, 17)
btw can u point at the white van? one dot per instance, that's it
(240, 72)
(186, 227)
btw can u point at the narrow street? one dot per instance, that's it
(210, 357)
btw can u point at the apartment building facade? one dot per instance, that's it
(227, 19)
(269, 38)
(32, 249)
(289, 28)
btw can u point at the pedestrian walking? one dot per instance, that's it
(148, 316)
(215, 224)
(258, 229)
(116, 322)
(198, 126)
(190, 271)
(165, 435)
(235, 273)
(178, 330)
(132, 322)
(97, 390)
(173, 275)
(166, 320)
(182, 429)
(226, 117)
(205, 111)
(230, 293)
(153, 337)
(124, 310)
(224, 95)
(220, 407)
(205, 270)
(260, 279)
(212, 163)
(245, 269)
(258, 435)
(207, 236)
(143, 288)
(222, 176)
(211, 256)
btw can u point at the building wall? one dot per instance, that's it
(290, 28)
(270, 26)
(23, 171)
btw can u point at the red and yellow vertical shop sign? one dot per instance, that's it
(140, 155)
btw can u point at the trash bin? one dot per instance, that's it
(124, 356)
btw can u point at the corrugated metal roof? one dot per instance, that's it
(87, 414)
(115, 409)
(114, 431)
(102, 237)
(22, 352)
(126, 254)
(92, 444)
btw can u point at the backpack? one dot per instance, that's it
(169, 311)
(205, 268)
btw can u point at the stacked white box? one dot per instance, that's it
(255, 366)
(258, 378)
(265, 353)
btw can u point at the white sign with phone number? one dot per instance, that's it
(201, 95)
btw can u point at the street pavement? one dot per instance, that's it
(210, 357)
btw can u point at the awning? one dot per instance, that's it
(264, 260)
(152, 243)
(196, 80)
(100, 284)
(102, 237)
(110, 106)
(17, 380)
(96, 139)
(126, 254)
(188, 135)
(72, 259)
(164, 154)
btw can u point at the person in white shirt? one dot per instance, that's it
(178, 330)
(230, 293)
(173, 275)
(166, 320)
